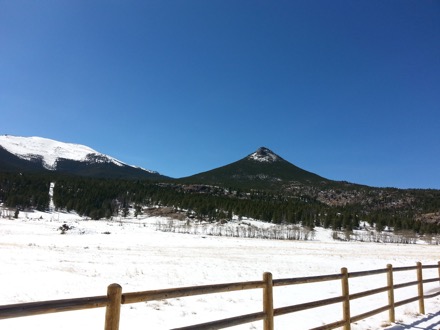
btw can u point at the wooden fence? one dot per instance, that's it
(115, 298)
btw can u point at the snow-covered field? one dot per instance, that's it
(39, 263)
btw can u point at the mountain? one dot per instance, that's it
(262, 169)
(36, 154)
(261, 186)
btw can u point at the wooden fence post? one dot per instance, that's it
(268, 301)
(390, 283)
(113, 310)
(439, 272)
(346, 302)
(420, 288)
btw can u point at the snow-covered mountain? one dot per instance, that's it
(37, 153)
(50, 151)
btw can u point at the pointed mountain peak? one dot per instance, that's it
(264, 155)
(262, 169)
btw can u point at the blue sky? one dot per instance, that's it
(349, 90)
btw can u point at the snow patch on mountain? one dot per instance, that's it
(50, 151)
(264, 155)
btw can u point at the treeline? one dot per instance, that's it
(20, 191)
(281, 232)
(106, 198)
(100, 198)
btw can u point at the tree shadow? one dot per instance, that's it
(430, 321)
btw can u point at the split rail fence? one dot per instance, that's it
(115, 298)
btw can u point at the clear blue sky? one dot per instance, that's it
(349, 90)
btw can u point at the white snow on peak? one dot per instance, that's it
(264, 155)
(50, 150)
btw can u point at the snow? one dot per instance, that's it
(40, 263)
(50, 150)
(264, 155)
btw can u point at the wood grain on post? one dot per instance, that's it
(420, 288)
(113, 310)
(390, 283)
(268, 301)
(439, 272)
(346, 301)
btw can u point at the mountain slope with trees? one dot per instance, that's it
(98, 198)
(41, 155)
(262, 186)
(262, 169)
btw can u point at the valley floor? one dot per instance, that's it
(39, 263)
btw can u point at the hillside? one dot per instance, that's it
(262, 169)
(41, 155)
(261, 185)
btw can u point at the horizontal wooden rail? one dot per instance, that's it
(432, 295)
(330, 326)
(367, 273)
(404, 269)
(51, 306)
(115, 298)
(406, 301)
(135, 297)
(301, 307)
(368, 314)
(429, 266)
(430, 280)
(406, 284)
(363, 294)
(226, 323)
(305, 280)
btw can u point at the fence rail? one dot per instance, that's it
(115, 298)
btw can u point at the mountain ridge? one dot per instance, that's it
(262, 169)
(43, 154)
(261, 185)
(37, 154)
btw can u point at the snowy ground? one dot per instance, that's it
(39, 263)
